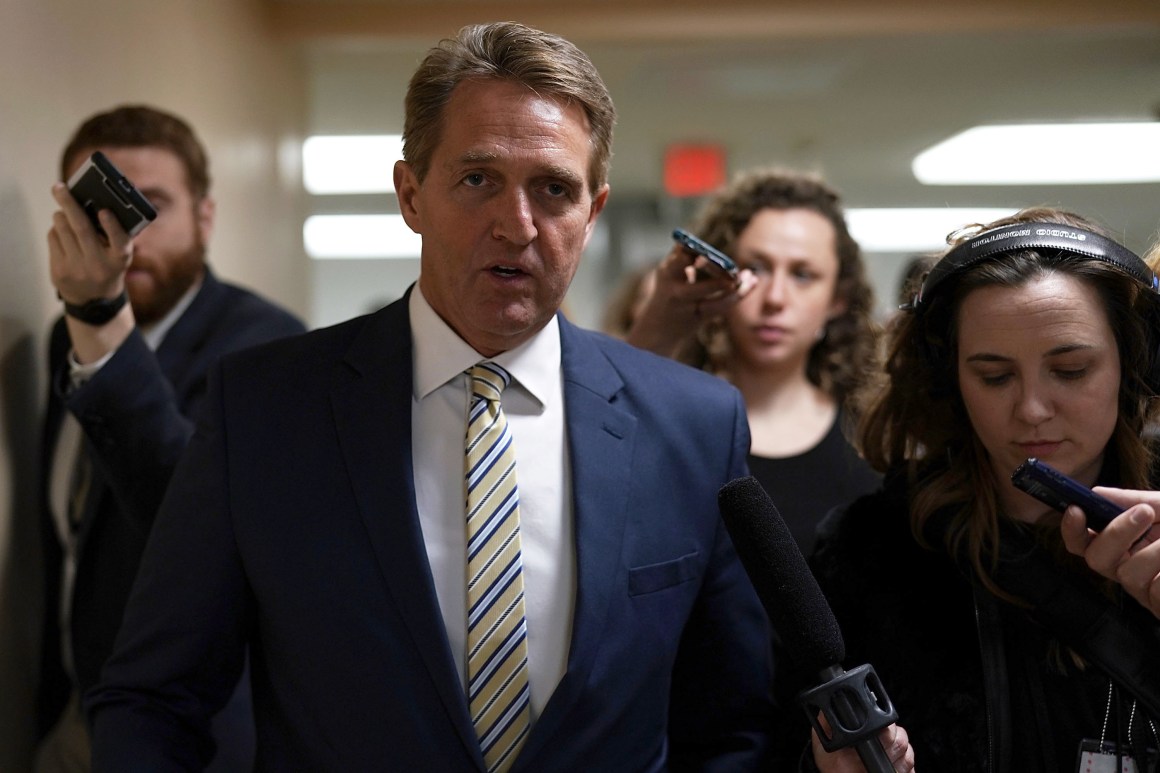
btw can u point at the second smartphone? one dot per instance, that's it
(711, 253)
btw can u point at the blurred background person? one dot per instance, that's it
(628, 298)
(913, 272)
(144, 320)
(793, 332)
(1034, 336)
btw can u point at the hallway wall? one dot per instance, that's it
(211, 62)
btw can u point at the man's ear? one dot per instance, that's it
(204, 213)
(598, 202)
(407, 189)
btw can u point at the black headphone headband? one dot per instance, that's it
(1029, 236)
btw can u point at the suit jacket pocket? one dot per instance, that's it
(654, 577)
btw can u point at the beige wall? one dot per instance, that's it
(61, 60)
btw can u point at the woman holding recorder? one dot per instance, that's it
(1011, 637)
(793, 332)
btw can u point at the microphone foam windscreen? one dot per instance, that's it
(796, 606)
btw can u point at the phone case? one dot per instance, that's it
(1053, 488)
(711, 253)
(98, 184)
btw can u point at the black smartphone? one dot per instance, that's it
(711, 253)
(1053, 488)
(99, 185)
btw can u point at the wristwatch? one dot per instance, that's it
(97, 311)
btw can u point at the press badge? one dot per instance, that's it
(1097, 757)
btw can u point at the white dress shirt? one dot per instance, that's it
(534, 406)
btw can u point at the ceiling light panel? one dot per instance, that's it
(914, 229)
(359, 236)
(350, 164)
(1044, 154)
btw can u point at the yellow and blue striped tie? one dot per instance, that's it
(497, 633)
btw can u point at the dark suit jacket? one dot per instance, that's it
(292, 524)
(135, 413)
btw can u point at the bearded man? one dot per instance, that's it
(144, 319)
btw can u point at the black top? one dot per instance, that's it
(807, 486)
(913, 615)
(804, 488)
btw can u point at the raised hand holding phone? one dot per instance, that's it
(693, 283)
(1122, 552)
(90, 251)
(1127, 551)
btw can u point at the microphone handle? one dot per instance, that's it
(856, 707)
(874, 757)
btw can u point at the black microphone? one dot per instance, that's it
(853, 702)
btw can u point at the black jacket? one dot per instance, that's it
(979, 684)
(908, 612)
(137, 416)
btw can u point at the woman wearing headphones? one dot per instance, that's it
(1034, 336)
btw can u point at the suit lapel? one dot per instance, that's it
(372, 410)
(601, 441)
(175, 354)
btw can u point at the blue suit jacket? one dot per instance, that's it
(292, 524)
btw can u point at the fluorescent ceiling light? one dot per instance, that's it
(914, 230)
(351, 164)
(359, 236)
(1044, 154)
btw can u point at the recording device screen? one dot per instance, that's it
(98, 185)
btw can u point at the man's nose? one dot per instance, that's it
(514, 217)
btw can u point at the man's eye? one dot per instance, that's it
(474, 180)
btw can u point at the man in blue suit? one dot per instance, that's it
(318, 515)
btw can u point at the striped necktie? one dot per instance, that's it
(497, 648)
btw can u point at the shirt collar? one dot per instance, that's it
(439, 354)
